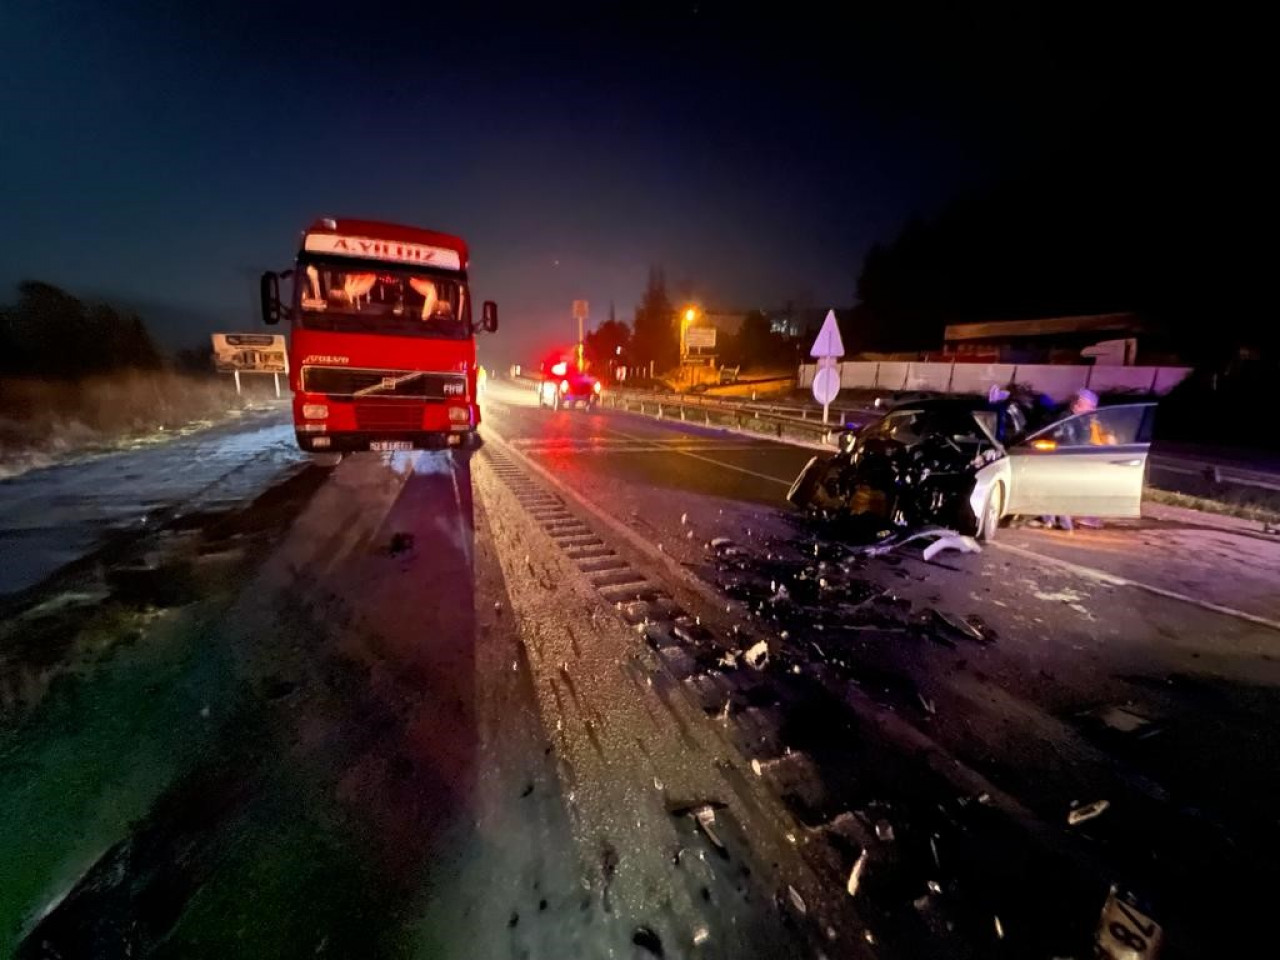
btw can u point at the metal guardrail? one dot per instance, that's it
(790, 408)
(765, 419)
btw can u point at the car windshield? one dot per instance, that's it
(373, 298)
(911, 426)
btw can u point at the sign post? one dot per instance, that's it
(827, 349)
(580, 314)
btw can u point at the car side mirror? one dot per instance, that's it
(269, 293)
(489, 317)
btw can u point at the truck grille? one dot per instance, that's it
(346, 382)
(388, 416)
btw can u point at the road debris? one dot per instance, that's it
(706, 819)
(888, 547)
(961, 544)
(701, 936)
(1125, 931)
(797, 901)
(855, 875)
(647, 940)
(756, 768)
(757, 656)
(958, 625)
(1087, 812)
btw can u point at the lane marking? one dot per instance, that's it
(718, 463)
(1114, 580)
(613, 450)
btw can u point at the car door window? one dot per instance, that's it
(1107, 427)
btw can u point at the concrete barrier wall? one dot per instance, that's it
(1170, 377)
(929, 377)
(892, 375)
(1137, 379)
(1058, 381)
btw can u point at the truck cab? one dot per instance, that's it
(382, 347)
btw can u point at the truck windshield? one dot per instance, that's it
(375, 299)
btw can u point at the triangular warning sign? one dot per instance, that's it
(828, 343)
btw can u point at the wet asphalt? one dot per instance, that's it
(500, 704)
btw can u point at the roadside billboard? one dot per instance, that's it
(250, 353)
(700, 338)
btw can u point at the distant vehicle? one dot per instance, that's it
(949, 462)
(563, 384)
(382, 347)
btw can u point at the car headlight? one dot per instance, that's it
(596, 386)
(564, 386)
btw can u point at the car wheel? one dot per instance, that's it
(989, 522)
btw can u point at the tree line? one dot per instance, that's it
(51, 334)
(654, 336)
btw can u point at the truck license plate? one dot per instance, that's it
(382, 446)
(1125, 932)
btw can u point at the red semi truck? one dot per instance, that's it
(382, 347)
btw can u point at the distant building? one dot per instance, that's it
(1105, 338)
(804, 322)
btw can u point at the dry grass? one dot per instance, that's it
(47, 419)
(1243, 506)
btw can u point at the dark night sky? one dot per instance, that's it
(163, 154)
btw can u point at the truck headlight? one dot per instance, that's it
(315, 411)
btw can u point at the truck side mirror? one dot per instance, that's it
(489, 317)
(269, 291)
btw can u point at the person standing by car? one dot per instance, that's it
(1077, 432)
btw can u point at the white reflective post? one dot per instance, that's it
(237, 375)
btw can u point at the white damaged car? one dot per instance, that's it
(968, 464)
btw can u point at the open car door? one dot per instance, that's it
(1088, 465)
